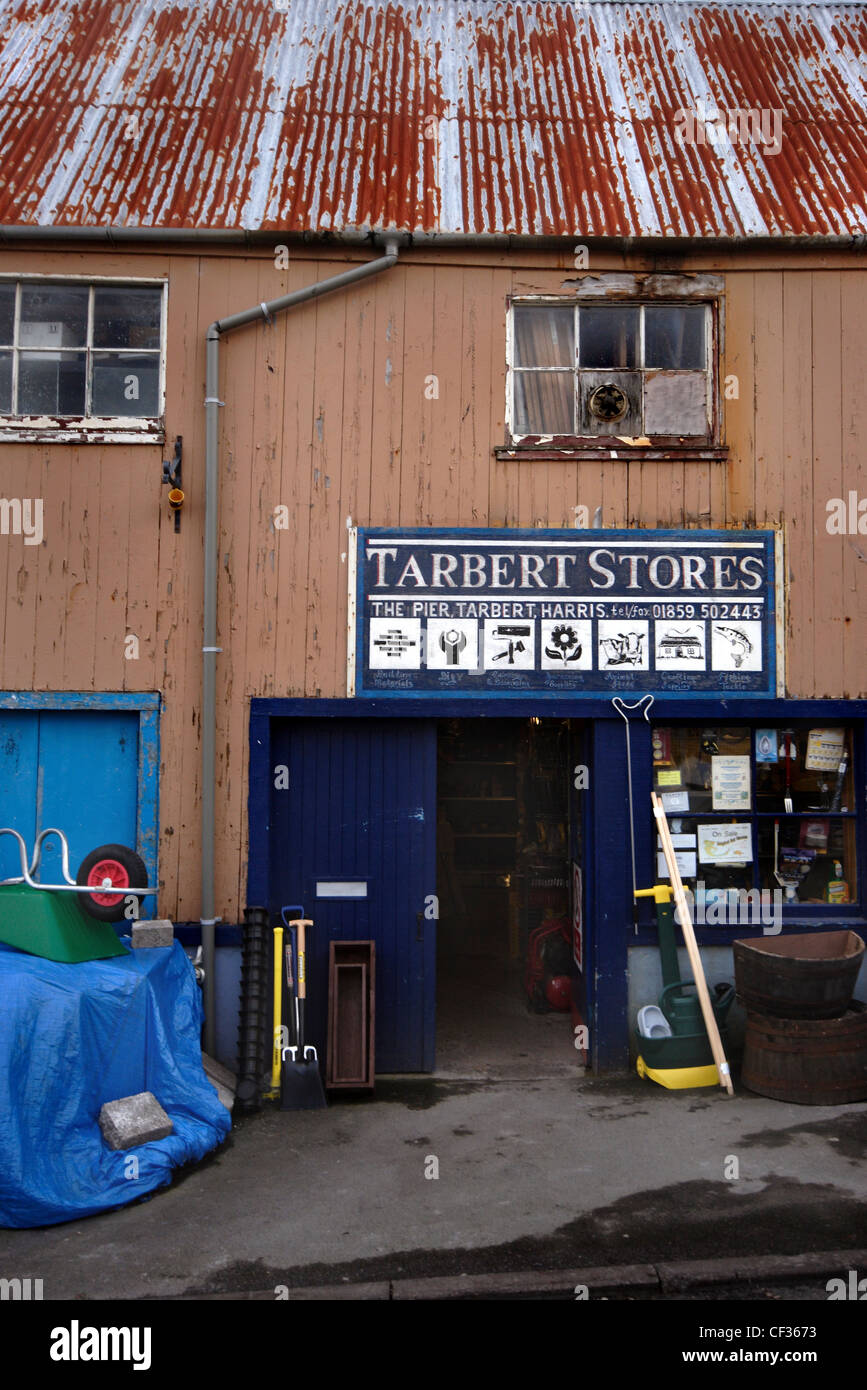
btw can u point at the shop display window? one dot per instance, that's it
(768, 808)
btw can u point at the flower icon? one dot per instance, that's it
(562, 641)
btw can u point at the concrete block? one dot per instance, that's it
(158, 932)
(134, 1120)
(224, 1081)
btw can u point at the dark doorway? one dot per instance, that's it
(506, 841)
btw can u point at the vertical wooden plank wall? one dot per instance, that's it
(384, 405)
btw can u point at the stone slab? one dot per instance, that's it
(134, 1120)
(157, 931)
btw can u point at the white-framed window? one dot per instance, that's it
(82, 359)
(586, 371)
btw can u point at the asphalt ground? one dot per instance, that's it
(457, 1178)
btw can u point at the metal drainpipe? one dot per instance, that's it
(209, 643)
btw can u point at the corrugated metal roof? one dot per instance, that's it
(438, 115)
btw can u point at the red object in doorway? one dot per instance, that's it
(558, 992)
(549, 959)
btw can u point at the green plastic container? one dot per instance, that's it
(52, 925)
(683, 1050)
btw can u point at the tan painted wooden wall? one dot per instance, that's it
(327, 413)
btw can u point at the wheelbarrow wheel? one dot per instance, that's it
(122, 866)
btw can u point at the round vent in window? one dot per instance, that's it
(608, 403)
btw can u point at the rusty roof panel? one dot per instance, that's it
(435, 115)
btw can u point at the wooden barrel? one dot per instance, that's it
(820, 1061)
(804, 976)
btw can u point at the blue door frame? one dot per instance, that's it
(608, 880)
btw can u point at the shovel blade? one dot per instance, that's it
(302, 1087)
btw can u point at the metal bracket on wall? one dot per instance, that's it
(172, 476)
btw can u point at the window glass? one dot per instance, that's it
(125, 384)
(126, 317)
(51, 383)
(5, 383)
(544, 336)
(803, 766)
(53, 316)
(674, 336)
(608, 336)
(7, 313)
(769, 809)
(812, 859)
(687, 772)
(544, 403)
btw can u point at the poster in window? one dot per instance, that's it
(725, 844)
(824, 749)
(730, 780)
(766, 745)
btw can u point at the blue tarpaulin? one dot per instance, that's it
(75, 1036)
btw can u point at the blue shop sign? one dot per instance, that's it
(503, 612)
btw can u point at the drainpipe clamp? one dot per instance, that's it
(213, 400)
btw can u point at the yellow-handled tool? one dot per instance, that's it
(660, 893)
(277, 1047)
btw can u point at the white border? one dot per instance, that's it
(352, 567)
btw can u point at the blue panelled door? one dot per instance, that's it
(353, 840)
(76, 770)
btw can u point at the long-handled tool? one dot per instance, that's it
(302, 1083)
(710, 1022)
(277, 1038)
(289, 954)
(644, 705)
(840, 781)
(789, 751)
(292, 965)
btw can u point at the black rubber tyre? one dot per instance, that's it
(124, 867)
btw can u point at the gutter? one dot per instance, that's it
(419, 240)
(210, 650)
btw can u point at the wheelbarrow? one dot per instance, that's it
(110, 878)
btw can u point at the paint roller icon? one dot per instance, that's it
(509, 634)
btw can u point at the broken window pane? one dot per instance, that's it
(126, 317)
(544, 403)
(544, 336)
(53, 316)
(7, 313)
(51, 383)
(608, 336)
(5, 383)
(125, 384)
(674, 336)
(675, 403)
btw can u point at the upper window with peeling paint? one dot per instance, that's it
(81, 360)
(639, 373)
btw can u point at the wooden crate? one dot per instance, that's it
(351, 1015)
